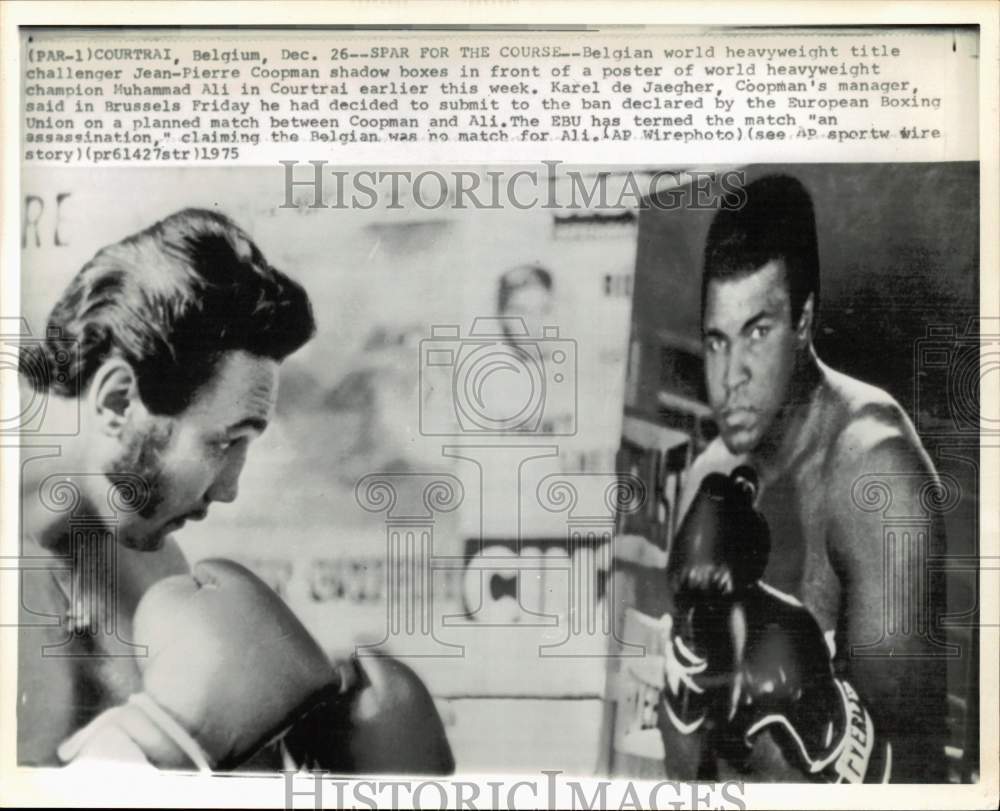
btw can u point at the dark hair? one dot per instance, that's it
(776, 222)
(170, 300)
(520, 277)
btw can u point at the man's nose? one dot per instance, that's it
(737, 370)
(226, 486)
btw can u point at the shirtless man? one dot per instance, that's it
(177, 335)
(811, 434)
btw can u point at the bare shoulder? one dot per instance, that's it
(876, 450)
(875, 434)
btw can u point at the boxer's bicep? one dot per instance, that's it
(858, 540)
(887, 601)
(884, 539)
(863, 606)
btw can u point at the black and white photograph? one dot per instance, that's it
(531, 480)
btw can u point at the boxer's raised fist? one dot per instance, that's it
(723, 543)
(718, 554)
(384, 722)
(787, 687)
(229, 668)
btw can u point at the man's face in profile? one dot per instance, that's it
(195, 458)
(750, 353)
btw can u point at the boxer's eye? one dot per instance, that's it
(759, 332)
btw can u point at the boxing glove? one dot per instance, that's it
(229, 668)
(383, 722)
(716, 557)
(787, 686)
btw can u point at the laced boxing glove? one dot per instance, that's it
(744, 659)
(384, 722)
(229, 668)
(718, 554)
(787, 686)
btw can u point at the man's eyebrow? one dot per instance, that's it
(256, 423)
(755, 318)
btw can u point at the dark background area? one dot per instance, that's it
(899, 300)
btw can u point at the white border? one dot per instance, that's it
(41, 787)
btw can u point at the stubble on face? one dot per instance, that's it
(137, 475)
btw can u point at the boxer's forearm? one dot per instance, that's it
(907, 700)
(902, 678)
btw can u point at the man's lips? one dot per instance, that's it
(177, 523)
(738, 415)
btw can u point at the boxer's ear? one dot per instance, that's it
(803, 330)
(114, 393)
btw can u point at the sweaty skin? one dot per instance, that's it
(822, 431)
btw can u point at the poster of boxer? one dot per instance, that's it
(500, 414)
(772, 434)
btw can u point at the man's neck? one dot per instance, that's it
(790, 432)
(51, 497)
(42, 523)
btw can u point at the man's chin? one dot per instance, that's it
(740, 441)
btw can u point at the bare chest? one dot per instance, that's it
(98, 645)
(796, 508)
